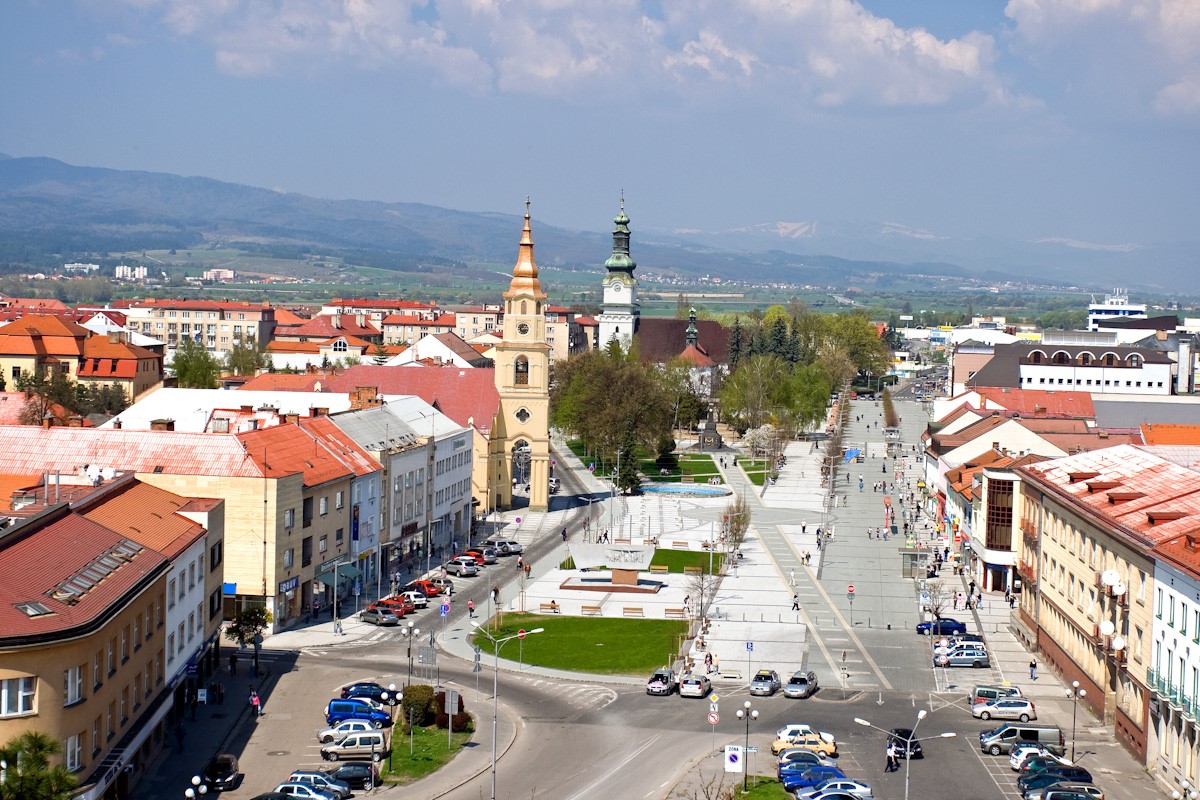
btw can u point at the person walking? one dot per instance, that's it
(233, 663)
(179, 734)
(470, 609)
(520, 562)
(971, 587)
(255, 704)
(496, 595)
(1033, 670)
(792, 578)
(564, 534)
(795, 602)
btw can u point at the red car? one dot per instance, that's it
(401, 605)
(475, 554)
(425, 587)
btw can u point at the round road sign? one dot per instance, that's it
(713, 718)
(850, 589)
(521, 633)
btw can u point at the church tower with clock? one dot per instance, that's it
(622, 309)
(520, 449)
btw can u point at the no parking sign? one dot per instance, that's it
(733, 758)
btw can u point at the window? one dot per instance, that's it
(289, 558)
(17, 696)
(214, 603)
(306, 551)
(182, 588)
(124, 705)
(72, 686)
(124, 644)
(216, 553)
(308, 512)
(289, 519)
(137, 691)
(181, 640)
(95, 737)
(339, 535)
(191, 575)
(323, 544)
(97, 675)
(149, 623)
(171, 593)
(73, 752)
(171, 645)
(110, 720)
(340, 500)
(324, 506)
(112, 656)
(137, 633)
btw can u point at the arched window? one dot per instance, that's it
(521, 371)
(1134, 360)
(1036, 357)
(524, 306)
(1062, 357)
(1109, 360)
(340, 346)
(1086, 359)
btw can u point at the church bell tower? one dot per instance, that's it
(621, 307)
(523, 383)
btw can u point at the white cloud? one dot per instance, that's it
(829, 52)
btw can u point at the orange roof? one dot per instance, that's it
(696, 357)
(285, 382)
(10, 484)
(323, 430)
(44, 324)
(276, 346)
(444, 320)
(1040, 403)
(28, 304)
(201, 305)
(1155, 433)
(287, 449)
(587, 322)
(285, 317)
(322, 327)
(147, 515)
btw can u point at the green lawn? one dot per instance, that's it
(591, 644)
(700, 467)
(756, 471)
(764, 788)
(673, 560)
(429, 753)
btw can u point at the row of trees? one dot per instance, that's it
(197, 368)
(47, 391)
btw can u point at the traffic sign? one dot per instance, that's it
(850, 589)
(713, 707)
(712, 698)
(521, 633)
(749, 647)
(733, 758)
(713, 718)
(445, 609)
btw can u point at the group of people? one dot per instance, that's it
(893, 753)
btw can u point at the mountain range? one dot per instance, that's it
(48, 206)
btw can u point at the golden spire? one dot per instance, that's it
(525, 273)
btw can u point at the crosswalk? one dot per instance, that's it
(584, 697)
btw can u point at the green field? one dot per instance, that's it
(429, 753)
(698, 467)
(590, 644)
(764, 788)
(756, 471)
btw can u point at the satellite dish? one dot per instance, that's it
(1118, 643)
(1107, 628)
(1109, 577)
(1119, 589)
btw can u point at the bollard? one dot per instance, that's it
(889, 626)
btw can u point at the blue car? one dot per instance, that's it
(942, 627)
(810, 777)
(796, 767)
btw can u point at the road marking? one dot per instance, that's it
(616, 767)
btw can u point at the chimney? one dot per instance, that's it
(291, 419)
(162, 424)
(996, 446)
(117, 423)
(318, 412)
(115, 337)
(337, 320)
(74, 421)
(358, 320)
(365, 397)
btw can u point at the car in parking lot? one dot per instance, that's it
(941, 627)
(662, 682)
(765, 683)
(791, 754)
(809, 778)
(505, 547)
(693, 685)
(794, 728)
(294, 789)
(845, 786)
(807, 741)
(429, 588)
(1040, 780)
(370, 690)
(445, 585)
(1020, 752)
(340, 731)
(1006, 708)
(222, 773)
(379, 615)
(398, 603)
(906, 745)
(1042, 763)
(341, 709)
(463, 567)
(966, 657)
(418, 599)
(320, 780)
(1067, 790)
(356, 776)
(802, 684)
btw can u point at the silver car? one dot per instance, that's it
(801, 684)
(463, 567)
(379, 616)
(765, 682)
(343, 729)
(499, 545)
(1018, 708)
(321, 781)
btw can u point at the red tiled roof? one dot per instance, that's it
(322, 327)
(1036, 402)
(284, 317)
(310, 347)
(377, 303)
(587, 322)
(35, 304)
(54, 550)
(1157, 433)
(147, 515)
(285, 382)
(442, 320)
(287, 449)
(696, 357)
(323, 430)
(660, 339)
(464, 395)
(12, 403)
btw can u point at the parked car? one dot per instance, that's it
(444, 584)
(941, 627)
(793, 728)
(321, 781)
(370, 690)
(802, 684)
(1008, 708)
(984, 692)
(418, 599)
(343, 729)
(379, 615)
(1010, 734)
(428, 588)
(1042, 763)
(765, 682)
(963, 658)
(908, 748)
(842, 785)
(353, 708)
(373, 745)
(1061, 774)
(356, 775)
(463, 567)
(966, 638)
(222, 773)
(1020, 752)
(480, 558)
(810, 778)
(790, 754)
(499, 545)
(398, 603)
(1067, 790)
(294, 789)
(693, 685)
(807, 741)
(662, 682)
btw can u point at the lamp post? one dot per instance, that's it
(395, 697)
(1074, 693)
(411, 632)
(908, 743)
(746, 713)
(1185, 791)
(496, 645)
(197, 789)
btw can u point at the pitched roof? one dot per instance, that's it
(1170, 434)
(285, 382)
(322, 327)
(1036, 402)
(696, 357)
(286, 317)
(147, 515)
(200, 305)
(342, 445)
(12, 403)
(467, 396)
(660, 339)
(460, 348)
(286, 450)
(34, 304)
(377, 428)
(447, 320)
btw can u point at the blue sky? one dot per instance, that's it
(1075, 119)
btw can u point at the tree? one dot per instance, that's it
(940, 596)
(194, 367)
(891, 419)
(244, 359)
(736, 522)
(751, 392)
(27, 774)
(682, 310)
(43, 394)
(379, 356)
(702, 587)
(627, 472)
(736, 343)
(248, 624)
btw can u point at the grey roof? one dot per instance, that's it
(376, 429)
(1022, 351)
(1002, 369)
(1167, 322)
(1126, 414)
(1181, 454)
(1168, 344)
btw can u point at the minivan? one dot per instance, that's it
(1000, 740)
(339, 710)
(985, 692)
(369, 744)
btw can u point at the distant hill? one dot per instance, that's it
(47, 206)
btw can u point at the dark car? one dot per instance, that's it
(371, 691)
(908, 749)
(222, 772)
(356, 775)
(1042, 763)
(1040, 780)
(942, 627)
(272, 796)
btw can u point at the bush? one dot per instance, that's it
(418, 705)
(462, 720)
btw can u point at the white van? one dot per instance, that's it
(365, 744)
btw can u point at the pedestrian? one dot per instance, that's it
(803, 526)
(1033, 670)
(496, 595)
(889, 758)
(255, 704)
(716, 664)
(708, 663)
(792, 577)
(528, 570)
(520, 562)
(316, 608)
(470, 609)
(254, 665)
(233, 663)
(564, 534)
(979, 600)
(1012, 601)
(795, 602)
(870, 532)
(971, 587)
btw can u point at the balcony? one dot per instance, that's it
(1027, 528)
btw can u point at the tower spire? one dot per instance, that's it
(620, 260)
(525, 273)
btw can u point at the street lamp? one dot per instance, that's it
(198, 788)
(1074, 693)
(395, 697)
(747, 714)
(1184, 792)
(912, 737)
(496, 645)
(411, 632)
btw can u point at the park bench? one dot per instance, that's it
(659, 569)
(692, 570)
(730, 674)
(622, 541)
(674, 613)
(591, 611)
(550, 608)
(632, 611)
(650, 542)
(680, 546)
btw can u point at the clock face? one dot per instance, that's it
(523, 329)
(616, 287)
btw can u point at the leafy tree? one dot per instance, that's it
(28, 774)
(736, 521)
(627, 472)
(194, 367)
(248, 624)
(757, 387)
(891, 419)
(43, 393)
(245, 358)
(682, 309)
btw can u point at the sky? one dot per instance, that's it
(1025, 119)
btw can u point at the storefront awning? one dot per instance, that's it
(349, 571)
(326, 578)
